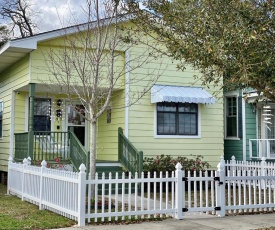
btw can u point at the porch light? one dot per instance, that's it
(58, 113)
(57, 110)
(59, 102)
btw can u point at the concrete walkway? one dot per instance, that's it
(239, 222)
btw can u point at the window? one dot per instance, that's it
(42, 108)
(177, 118)
(231, 117)
(1, 119)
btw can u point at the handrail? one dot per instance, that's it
(128, 155)
(78, 153)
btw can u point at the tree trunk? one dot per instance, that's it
(93, 155)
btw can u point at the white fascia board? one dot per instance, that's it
(4, 47)
(25, 44)
(31, 42)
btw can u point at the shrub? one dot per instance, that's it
(167, 164)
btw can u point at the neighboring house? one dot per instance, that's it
(249, 126)
(174, 119)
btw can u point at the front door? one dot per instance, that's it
(75, 119)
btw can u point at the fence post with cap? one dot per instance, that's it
(81, 195)
(220, 188)
(179, 191)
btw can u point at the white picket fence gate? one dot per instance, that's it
(177, 195)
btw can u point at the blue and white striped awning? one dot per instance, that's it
(168, 93)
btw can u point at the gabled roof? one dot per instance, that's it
(16, 49)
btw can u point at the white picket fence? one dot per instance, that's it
(264, 167)
(177, 195)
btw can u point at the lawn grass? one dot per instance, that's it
(16, 214)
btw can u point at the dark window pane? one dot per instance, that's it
(166, 123)
(187, 124)
(42, 106)
(167, 107)
(187, 107)
(42, 121)
(194, 108)
(231, 127)
(184, 107)
(177, 119)
(231, 117)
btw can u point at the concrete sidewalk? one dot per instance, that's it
(239, 222)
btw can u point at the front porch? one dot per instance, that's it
(56, 131)
(65, 148)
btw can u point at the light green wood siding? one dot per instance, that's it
(20, 112)
(41, 67)
(13, 78)
(107, 139)
(142, 116)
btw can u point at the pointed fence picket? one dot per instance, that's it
(235, 187)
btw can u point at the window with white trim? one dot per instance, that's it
(177, 119)
(231, 119)
(42, 118)
(1, 119)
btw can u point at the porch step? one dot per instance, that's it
(113, 168)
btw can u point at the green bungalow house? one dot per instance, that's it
(249, 126)
(174, 118)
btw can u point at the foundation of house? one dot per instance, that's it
(3, 178)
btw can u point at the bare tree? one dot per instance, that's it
(92, 63)
(19, 15)
(4, 34)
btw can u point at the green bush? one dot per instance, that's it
(167, 164)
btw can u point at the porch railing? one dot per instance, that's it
(259, 148)
(128, 155)
(78, 153)
(54, 147)
(51, 145)
(21, 146)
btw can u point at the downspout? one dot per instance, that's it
(244, 127)
(12, 124)
(127, 90)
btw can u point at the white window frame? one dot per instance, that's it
(229, 95)
(177, 136)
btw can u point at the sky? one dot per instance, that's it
(54, 14)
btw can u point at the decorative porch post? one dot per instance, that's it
(31, 118)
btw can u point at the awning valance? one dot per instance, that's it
(165, 93)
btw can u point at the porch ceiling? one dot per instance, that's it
(42, 88)
(49, 89)
(12, 55)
